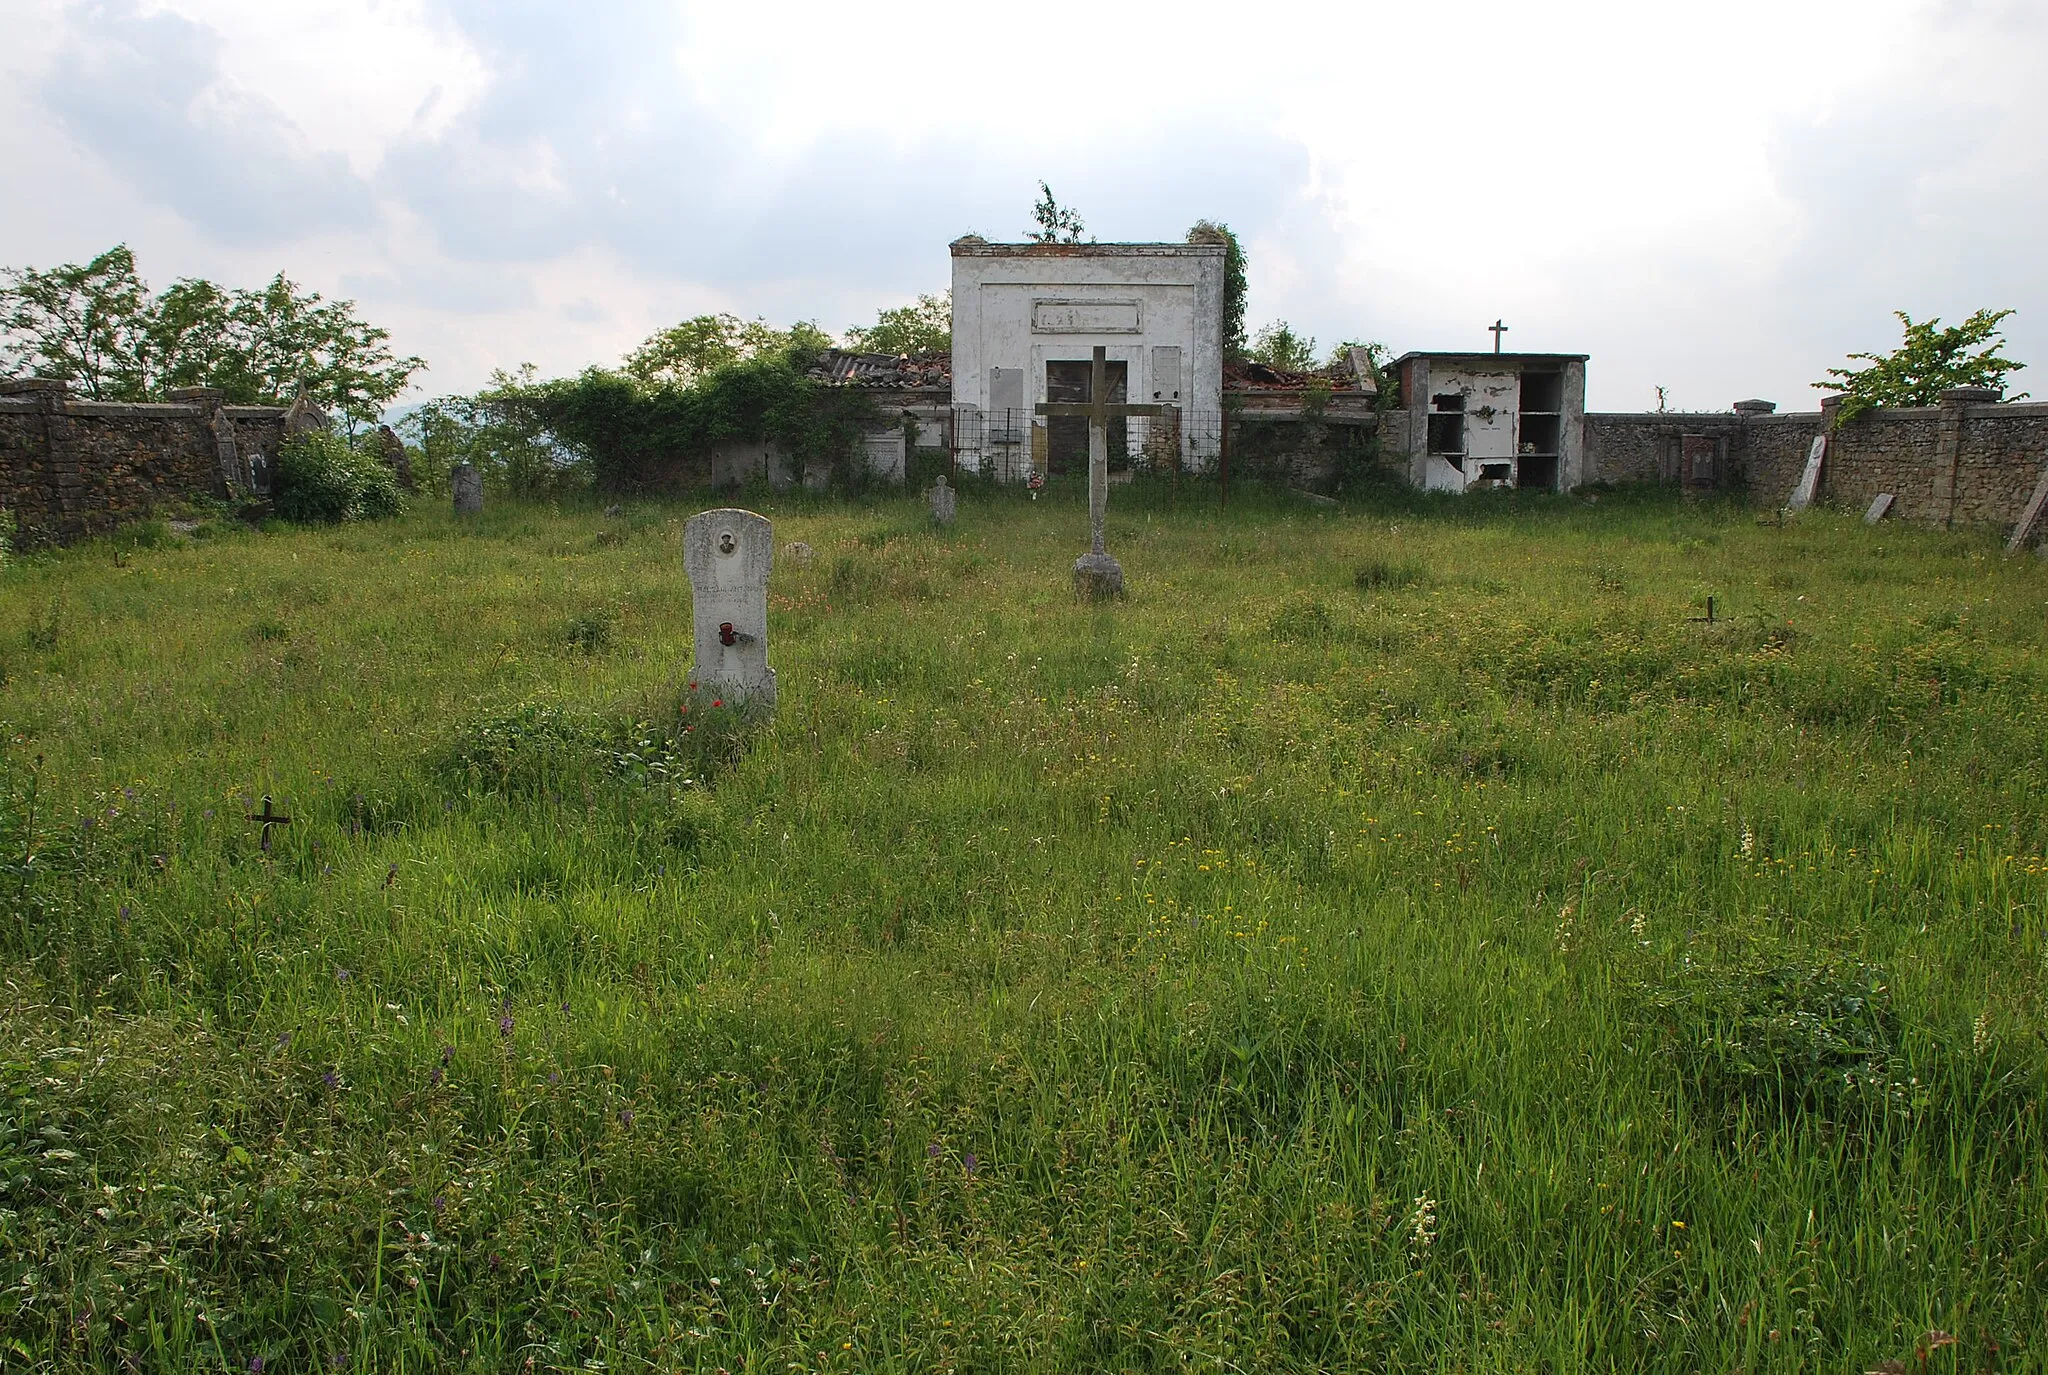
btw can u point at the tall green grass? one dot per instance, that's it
(1395, 938)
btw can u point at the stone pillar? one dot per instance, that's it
(61, 484)
(1948, 454)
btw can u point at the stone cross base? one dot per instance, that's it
(1098, 577)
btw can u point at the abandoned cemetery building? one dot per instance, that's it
(1027, 320)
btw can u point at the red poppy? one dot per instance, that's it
(717, 702)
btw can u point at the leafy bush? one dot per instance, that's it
(322, 480)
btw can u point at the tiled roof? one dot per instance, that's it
(883, 370)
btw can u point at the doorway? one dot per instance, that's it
(1066, 436)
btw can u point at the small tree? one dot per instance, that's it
(1056, 223)
(923, 326)
(1236, 286)
(681, 354)
(1930, 361)
(1278, 346)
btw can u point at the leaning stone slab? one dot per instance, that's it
(728, 554)
(1880, 507)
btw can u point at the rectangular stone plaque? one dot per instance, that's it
(1085, 317)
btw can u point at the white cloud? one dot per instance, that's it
(1721, 199)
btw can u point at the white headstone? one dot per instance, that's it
(1880, 505)
(945, 501)
(1809, 481)
(728, 554)
(466, 480)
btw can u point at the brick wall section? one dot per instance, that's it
(1959, 463)
(70, 469)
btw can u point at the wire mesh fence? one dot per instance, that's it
(1010, 445)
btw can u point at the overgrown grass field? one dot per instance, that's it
(1396, 938)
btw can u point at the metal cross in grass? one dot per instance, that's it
(269, 818)
(1096, 570)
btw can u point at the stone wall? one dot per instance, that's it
(71, 468)
(1968, 461)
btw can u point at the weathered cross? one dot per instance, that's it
(1498, 329)
(1095, 571)
(269, 818)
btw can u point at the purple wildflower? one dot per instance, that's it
(341, 976)
(435, 1076)
(625, 1117)
(284, 1038)
(440, 1203)
(447, 1054)
(331, 1079)
(554, 1076)
(931, 1152)
(970, 1162)
(207, 813)
(505, 1024)
(124, 911)
(255, 1365)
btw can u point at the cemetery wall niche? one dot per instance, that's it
(71, 468)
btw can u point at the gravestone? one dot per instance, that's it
(1880, 506)
(945, 501)
(1809, 479)
(728, 554)
(2030, 518)
(467, 482)
(395, 456)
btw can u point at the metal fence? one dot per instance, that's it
(1010, 445)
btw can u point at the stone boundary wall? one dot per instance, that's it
(71, 468)
(1968, 461)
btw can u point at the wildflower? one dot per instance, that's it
(970, 1162)
(447, 1054)
(1422, 1225)
(331, 1079)
(931, 1152)
(718, 701)
(505, 1024)
(255, 1365)
(435, 1076)
(440, 1203)
(124, 911)
(625, 1117)
(1980, 1032)
(341, 976)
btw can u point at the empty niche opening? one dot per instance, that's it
(1543, 391)
(1539, 434)
(1540, 471)
(1503, 473)
(1447, 426)
(1447, 435)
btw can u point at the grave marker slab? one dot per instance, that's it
(945, 501)
(728, 554)
(1809, 480)
(466, 481)
(1880, 507)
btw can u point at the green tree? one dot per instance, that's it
(1236, 286)
(87, 325)
(681, 354)
(1278, 346)
(1929, 361)
(923, 326)
(1056, 223)
(98, 326)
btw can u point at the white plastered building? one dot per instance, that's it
(1027, 319)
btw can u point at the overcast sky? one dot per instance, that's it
(1723, 198)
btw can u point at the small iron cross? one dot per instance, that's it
(268, 818)
(1498, 329)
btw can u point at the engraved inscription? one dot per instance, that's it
(1085, 317)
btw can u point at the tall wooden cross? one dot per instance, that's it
(1498, 329)
(1096, 571)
